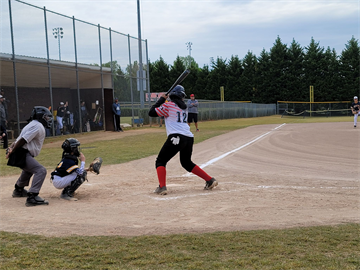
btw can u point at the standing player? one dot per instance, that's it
(192, 105)
(31, 140)
(117, 113)
(3, 136)
(180, 139)
(355, 108)
(68, 175)
(59, 117)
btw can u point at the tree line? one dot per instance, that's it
(283, 73)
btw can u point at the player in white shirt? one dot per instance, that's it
(180, 139)
(29, 144)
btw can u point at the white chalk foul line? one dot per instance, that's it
(234, 150)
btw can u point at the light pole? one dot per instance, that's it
(58, 34)
(188, 44)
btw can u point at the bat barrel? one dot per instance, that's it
(179, 80)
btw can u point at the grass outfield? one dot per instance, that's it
(325, 247)
(148, 143)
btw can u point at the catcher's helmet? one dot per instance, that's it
(178, 92)
(71, 145)
(43, 115)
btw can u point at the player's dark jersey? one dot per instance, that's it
(67, 165)
(61, 111)
(356, 106)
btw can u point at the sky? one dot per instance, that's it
(218, 28)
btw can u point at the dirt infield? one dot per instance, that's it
(296, 175)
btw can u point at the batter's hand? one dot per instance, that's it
(165, 96)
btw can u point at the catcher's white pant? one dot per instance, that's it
(356, 117)
(62, 182)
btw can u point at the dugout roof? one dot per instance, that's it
(33, 72)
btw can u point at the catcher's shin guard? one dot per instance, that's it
(67, 195)
(75, 184)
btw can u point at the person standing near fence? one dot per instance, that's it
(84, 116)
(355, 108)
(3, 136)
(4, 102)
(192, 105)
(59, 117)
(117, 113)
(3, 114)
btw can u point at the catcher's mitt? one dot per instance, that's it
(95, 165)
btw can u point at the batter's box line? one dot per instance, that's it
(284, 187)
(169, 198)
(235, 150)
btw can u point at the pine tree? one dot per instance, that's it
(263, 78)
(279, 65)
(294, 75)
(159, 76)
(248, 77)
(233, 85)
(314, 66)
(350, 69)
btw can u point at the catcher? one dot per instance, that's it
(355, 108)
(68, 175)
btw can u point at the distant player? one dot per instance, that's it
(192, 105)
(355, 108)
(29, 144)
(68, 175)
(180, 139)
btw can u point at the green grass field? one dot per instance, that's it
(326, 247)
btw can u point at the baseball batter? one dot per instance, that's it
(180, 139)
(68, 175)
(355, 108)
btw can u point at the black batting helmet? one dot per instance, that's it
(178, 92)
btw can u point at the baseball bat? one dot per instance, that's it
(179, 80)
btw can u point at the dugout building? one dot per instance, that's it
(51, 58)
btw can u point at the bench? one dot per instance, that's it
(138, 121)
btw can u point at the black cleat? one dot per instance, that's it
(210, 184)
(161, 190)
(19, 192)
(34, 200)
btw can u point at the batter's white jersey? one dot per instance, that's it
(175, 119)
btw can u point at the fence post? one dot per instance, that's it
(49, 70)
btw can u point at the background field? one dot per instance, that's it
(265, 214)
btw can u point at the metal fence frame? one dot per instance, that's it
(129, 76)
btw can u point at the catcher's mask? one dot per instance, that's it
(71, 145)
